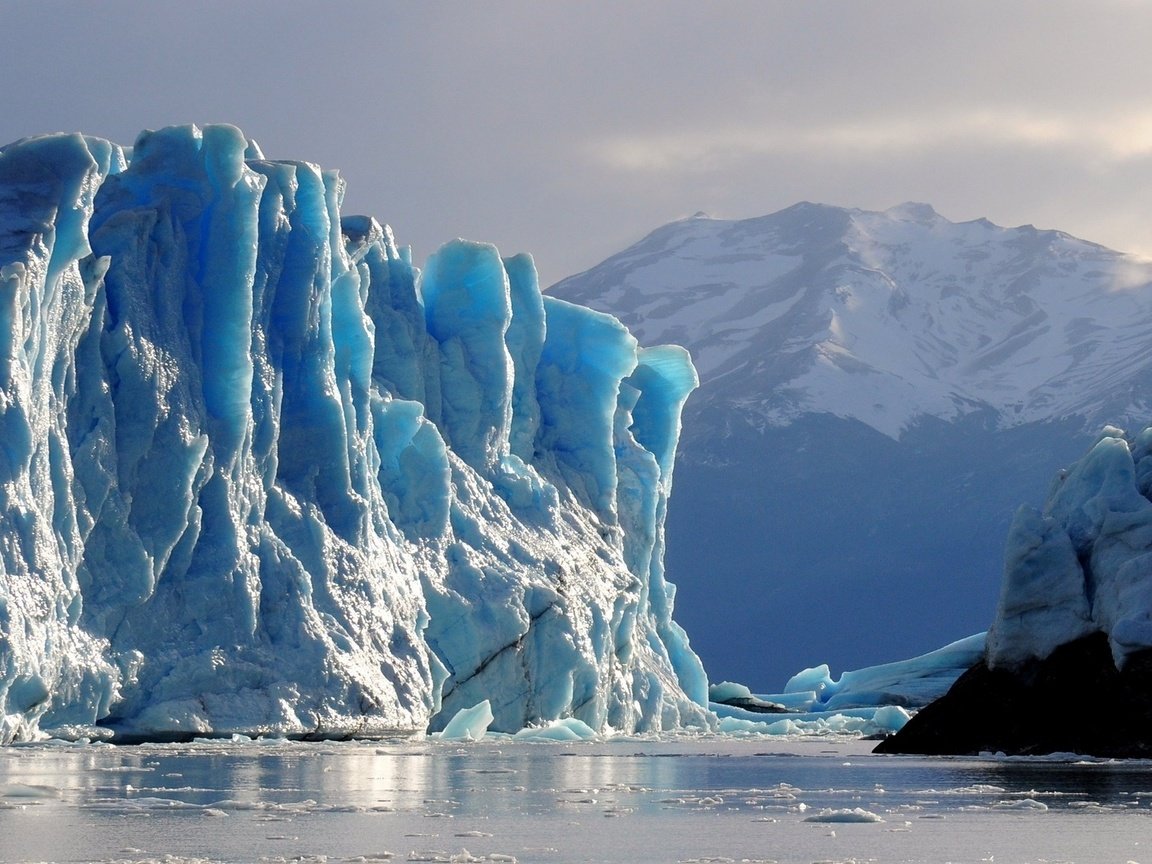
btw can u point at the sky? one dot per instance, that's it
(572, 129)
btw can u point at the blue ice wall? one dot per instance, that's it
(525, 342)
(586, 355)
(260, 474)
(246, 487)
(52, 669)
(647, 430)
(468, 309)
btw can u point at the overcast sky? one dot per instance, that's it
(571, 129)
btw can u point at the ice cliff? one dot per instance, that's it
(260, 474)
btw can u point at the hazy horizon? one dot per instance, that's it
(572, 130)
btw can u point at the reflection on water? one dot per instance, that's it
(623, 800)
(1122, 784)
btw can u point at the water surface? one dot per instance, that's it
(709, 799)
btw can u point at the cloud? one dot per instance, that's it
(570, 129)
(1115, 137)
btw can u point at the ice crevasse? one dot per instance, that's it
(259, 474)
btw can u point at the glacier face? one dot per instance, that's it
(262, 475)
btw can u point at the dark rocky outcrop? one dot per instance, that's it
(755, 705)
(1073, 701)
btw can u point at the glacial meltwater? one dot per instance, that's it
(685, 799)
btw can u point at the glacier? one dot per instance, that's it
(260, 474)
(873, 700)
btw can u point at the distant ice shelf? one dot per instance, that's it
(875, 700)
(260, 475)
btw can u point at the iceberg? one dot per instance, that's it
(259, 474)
(1074, 621)
(568, 729)
(469, 724)
(1081, 566)
(911, 683)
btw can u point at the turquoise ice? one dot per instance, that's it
(259, 474)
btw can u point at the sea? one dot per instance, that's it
(685, 798)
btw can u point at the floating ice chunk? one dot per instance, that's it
(567, 729)
(726, 691)
(469, 724)
(855, 814)
(802, 700)
(856, 721)
(890, 718)
(912, 683)
(29, 790)
(1023, 804)
(728, 695)
(817, 679)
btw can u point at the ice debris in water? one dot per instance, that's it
(567, 729)
(853, 814)
(469, 724)
(259, 474)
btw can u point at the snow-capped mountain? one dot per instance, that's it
(887, 317)
(879, 391)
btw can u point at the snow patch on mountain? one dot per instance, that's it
(886, 317)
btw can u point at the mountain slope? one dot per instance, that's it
(879, 391)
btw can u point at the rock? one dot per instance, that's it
(1073, 701)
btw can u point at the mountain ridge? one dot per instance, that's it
(938, 316)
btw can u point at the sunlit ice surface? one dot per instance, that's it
(682, 799)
